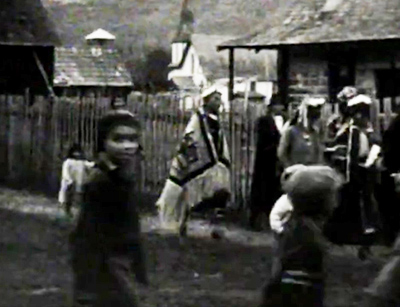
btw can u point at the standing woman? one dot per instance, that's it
(301, 143)
(389, 191)
(74, 170)
(265, 187)
(357, 216)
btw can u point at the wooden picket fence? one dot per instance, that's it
(35, 137)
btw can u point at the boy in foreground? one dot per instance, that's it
(298, 271)
(106, 245)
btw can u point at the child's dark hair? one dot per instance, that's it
(75, 148)
(111, 120)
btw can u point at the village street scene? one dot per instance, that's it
(199, 153)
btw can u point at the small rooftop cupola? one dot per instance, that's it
(100, 39)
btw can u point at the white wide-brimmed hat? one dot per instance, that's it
(314, 101)
(209, 91)
(359, 99)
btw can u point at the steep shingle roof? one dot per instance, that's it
(25, 22)
(305, 23)
(80, 67)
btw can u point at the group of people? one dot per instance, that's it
(313, 192)
(344, 192)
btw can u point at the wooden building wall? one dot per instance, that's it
(19, 69)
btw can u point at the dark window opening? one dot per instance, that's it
(341, 72)
(253, 86)
(387, 86)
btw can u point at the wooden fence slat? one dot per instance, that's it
(34, 139)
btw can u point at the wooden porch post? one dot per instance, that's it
(231, 122)
(283, 75)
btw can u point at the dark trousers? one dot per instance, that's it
(102, 278)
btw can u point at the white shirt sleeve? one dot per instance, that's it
(280, 213)
(66, 181)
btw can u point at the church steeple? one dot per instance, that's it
(186, 23)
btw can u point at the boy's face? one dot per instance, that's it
(122, 144)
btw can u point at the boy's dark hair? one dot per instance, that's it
(111, 120)
(75, 148)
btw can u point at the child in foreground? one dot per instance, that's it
(106, 244)
(74, 170)
(298, 274)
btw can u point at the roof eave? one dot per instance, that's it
(72, 84)
(283, 45)
(25, 44)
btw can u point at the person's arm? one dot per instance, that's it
(66, 181)
(353, 168)
(284, 147)
(280, 213)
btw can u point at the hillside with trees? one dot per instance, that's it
(145, 28)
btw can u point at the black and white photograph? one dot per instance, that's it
(199, 153)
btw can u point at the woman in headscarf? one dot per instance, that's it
(301, 143)
(357, 216)
(341, 120)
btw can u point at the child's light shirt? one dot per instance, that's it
(73, 173)
(280, 213)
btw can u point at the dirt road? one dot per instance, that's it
(34, 268)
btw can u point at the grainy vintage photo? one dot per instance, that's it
(199, 153)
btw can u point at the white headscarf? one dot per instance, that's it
(303, 108)
(359, 99)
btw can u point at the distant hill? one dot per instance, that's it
(145, 28)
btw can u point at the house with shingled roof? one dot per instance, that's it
(95, 69)
(324, 45)
(27, 42)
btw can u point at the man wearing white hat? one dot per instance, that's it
(199, 172)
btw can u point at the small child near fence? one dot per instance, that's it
(74, 170)
(298, 274)
(106, 243)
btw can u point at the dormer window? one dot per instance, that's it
(96, 51)
(253, 86)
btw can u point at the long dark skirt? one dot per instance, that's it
(356, 212)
